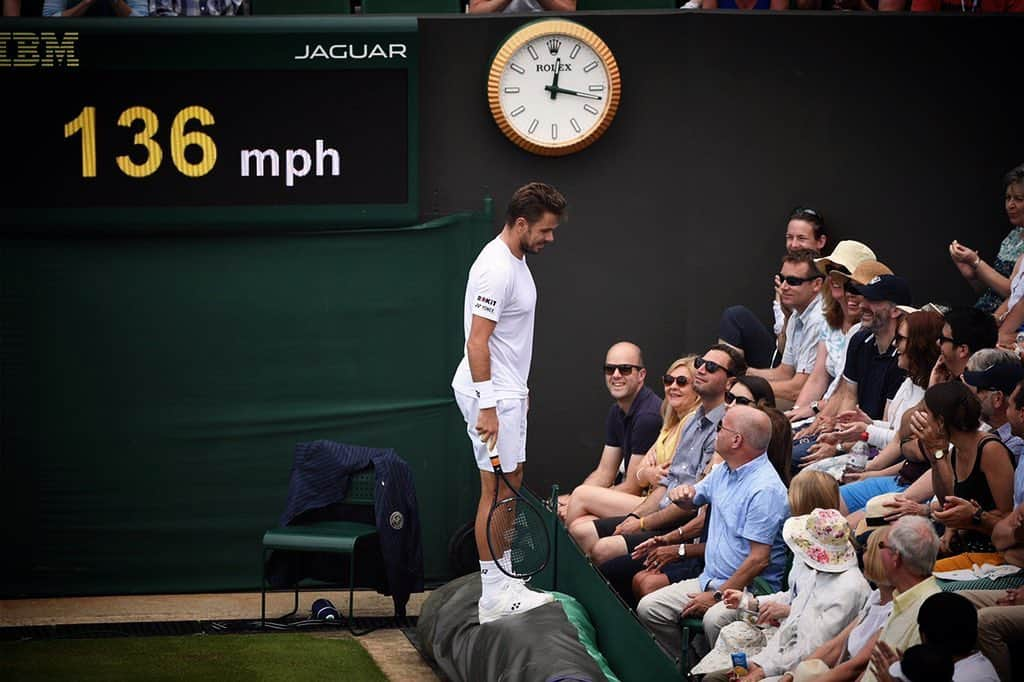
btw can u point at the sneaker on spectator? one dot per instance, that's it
(514, 597)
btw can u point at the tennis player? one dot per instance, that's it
(490, 382)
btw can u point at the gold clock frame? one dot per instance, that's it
(528, 33)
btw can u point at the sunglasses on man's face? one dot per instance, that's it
(721, 426)
(946, 339)
(711, 366)
(624, 370)
(679, 381)
(794, 281)
(731, 398)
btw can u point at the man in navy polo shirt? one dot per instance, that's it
(634, 419)
(871, 376)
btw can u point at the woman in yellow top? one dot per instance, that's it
(590, 501)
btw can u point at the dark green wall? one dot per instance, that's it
(153, 390)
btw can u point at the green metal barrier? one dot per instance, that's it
(630, 648)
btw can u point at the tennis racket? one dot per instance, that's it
(516, 526)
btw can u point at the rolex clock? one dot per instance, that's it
(553, 87)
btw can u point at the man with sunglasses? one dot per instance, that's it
(490, 382)
(800, 291)
(741, 328)
(608, 538)
(964, 332)
(633, 423)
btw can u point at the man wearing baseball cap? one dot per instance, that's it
(992, 374)
(871, 375)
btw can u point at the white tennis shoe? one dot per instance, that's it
(514, 597)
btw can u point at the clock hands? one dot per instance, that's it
(577, 93)
(554, 79)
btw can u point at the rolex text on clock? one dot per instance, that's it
(554, 87)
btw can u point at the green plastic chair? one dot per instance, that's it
(336, 537)
(591, 5)
(413, 6)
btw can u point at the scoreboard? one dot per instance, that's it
(180, 124)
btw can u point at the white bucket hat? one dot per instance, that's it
(821, 539)
(734, 638)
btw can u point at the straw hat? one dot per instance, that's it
(821, 540)
(848, 253)
(734, 638)
(875, 512)
(865, 271)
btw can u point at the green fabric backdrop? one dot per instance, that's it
(153, 389)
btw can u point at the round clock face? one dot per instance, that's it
(554, 87)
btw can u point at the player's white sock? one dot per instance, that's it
(491, 579)
(506, 560)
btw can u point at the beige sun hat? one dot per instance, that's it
(734, 638)
(821, 540)
(875, 512)
(848, 253)
(866, 271)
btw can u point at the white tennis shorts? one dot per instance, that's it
(511, 446)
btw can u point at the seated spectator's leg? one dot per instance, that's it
(595, 501)
(854, 519)
(608, 548)
(716, 618)
(998, 627)
(740, 328)
(586, 533)
(660, 612)
(646, 582)
(857, 494)
(621, 572)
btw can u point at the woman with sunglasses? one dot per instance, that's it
(589, 502)
(972, 474)
(888, 472)
(841, 306)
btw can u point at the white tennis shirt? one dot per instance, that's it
(500, 288)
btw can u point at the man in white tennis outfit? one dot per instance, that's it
(490, 382)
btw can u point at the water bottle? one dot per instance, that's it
(323, 609)
(859, 454)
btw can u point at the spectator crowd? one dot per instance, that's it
(838, 495)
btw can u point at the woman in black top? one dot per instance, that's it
(972, 473)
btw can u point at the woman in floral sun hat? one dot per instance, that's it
(826, 593)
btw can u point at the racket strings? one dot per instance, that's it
(521, 532)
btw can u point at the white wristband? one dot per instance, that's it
(485, 394)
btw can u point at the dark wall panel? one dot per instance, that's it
(898, 128)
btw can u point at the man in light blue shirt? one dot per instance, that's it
(748, 507)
